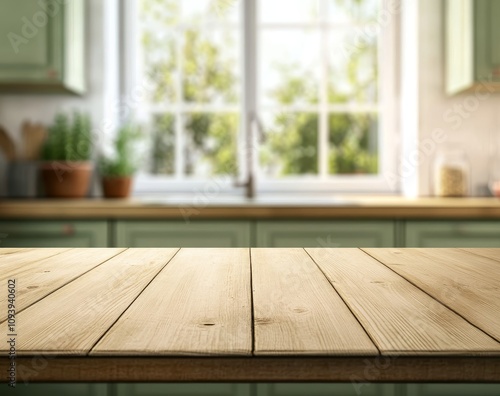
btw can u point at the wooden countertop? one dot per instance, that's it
(375, 207)
(375, 315)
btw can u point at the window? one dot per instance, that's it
(312, 80)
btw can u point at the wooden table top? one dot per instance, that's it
(313, 314)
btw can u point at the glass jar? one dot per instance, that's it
(451, 173)
(494, 175)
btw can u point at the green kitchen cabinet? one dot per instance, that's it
(449, 233)
(344, 389)
(452, 389)
(30, 389)
(472, 51)
(42, 46)
(45, 233)
(214, 389)
(183, 234)
(332, 233)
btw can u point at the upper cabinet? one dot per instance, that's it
(42, 46)
(472, 51)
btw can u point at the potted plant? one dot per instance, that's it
(118, 168)
(66, 167)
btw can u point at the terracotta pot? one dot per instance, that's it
(116, 187)
(66, 179)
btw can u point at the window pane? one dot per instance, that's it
(211, 147)
(159, 14)
(290, 144)
(211, 66)
(196, 11)
(288, 11)
(354, 68)
(289, 67)
(353, 143)
(163, 144)
(159, 49)
(344, 11)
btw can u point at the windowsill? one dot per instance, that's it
(301, 187)
(225, 199)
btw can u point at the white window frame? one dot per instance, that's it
(384, 182)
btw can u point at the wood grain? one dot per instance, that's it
(72, 319)
(38, 274)
(199, 304)
(359, 371)
(296, 311)
(467, 283)
(400, 318)
(143, 315)
(355, 207)
(491, 253)
(7, 251)
(12, 258)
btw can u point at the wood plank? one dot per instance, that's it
(400, 318)
(37, 275)
(6, 251)
(200, 304)
(467, 283)
(296, 310)
(16, 257)
(491, 253)
(359, 371)
(72, 319)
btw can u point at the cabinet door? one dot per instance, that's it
(325, 234)
(348, 389)
(22, 389)
(459, 45)
(182, 234)
(486, 33)
(42, 46)
(452, 234)
(53, 234)
(453, 389)
(472, 51)
(183, 389)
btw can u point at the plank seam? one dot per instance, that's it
(431, 296)
(67, 283)
(134, 300)
(479, 255)
(345, 303)
(252, 314)
(63, 250)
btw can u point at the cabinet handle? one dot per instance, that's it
(68, 229)
(461, 230)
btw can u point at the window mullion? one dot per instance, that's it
(249, 98)
(323, 145)
(179, 117)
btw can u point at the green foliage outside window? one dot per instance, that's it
(290, 145)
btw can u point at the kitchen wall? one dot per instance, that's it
(101, 98)
(430, 119)
(471, 120)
